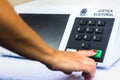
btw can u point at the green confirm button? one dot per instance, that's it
(99, 54)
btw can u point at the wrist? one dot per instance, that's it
(47, 55)
(51, 60)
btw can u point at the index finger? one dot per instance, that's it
(87, 52)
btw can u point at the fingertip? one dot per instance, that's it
(87, 76)
(94, 51)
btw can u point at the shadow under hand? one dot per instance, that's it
(74, 77)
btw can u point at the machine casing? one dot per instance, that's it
(112, 49)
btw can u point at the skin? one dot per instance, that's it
(17, 36)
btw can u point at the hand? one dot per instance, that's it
(69, 62)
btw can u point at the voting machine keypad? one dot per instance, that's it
(91, 33)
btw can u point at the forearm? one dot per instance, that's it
(19, 37)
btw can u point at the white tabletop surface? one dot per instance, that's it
(22, 69)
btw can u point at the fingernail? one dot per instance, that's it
(94, 50)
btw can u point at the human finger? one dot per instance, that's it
(89, 70)
(87, 76)
(86, 52)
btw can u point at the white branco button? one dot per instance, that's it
(71, 50)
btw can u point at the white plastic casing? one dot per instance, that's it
(112, 50)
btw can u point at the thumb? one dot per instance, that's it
(87, 52)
